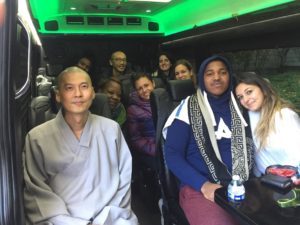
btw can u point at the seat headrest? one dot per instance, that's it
(42, 71)
(161, 105)
(127, 88)
(40, 111)
(54, 105)
(54, 69)
(180, 89)
(100, 105)
(159, 83)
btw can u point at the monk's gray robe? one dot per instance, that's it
(68, 181)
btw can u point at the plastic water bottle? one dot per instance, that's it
(236, 190)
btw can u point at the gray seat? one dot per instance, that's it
(127, 88)
(40, 111)
(100, 105)
(162, 104)
(159, 83)
(43, 82)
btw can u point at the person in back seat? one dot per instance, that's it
(207, 141)
(112, 88)
(119, 68)
(141, 131)
(77, 167)
(183, 70)
(164, 71)
(85, 63)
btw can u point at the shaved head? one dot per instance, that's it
(69, 70)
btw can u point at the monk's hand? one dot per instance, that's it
(208, 190)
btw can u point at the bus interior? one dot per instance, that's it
(39, 38)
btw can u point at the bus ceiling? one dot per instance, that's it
(161, 18)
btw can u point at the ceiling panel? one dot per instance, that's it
(163, 18)
(115, 6)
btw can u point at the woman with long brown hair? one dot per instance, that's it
(275, 123)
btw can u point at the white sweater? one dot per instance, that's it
(283, 145)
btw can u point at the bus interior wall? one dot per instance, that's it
(67, 50)
(274, 29)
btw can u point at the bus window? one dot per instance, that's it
(280, 65)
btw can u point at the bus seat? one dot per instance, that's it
(40, 111)
(54, 69)
(127, 88)
(43, 88)
(180, 89)
(100, 105)
(163, 101)
(159, 83)
(43, 82)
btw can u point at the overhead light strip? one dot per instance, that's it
(162, 1)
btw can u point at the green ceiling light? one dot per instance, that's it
(45, 8)
(171, 16)
(199, 13)
(163, 1)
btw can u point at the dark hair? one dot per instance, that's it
(167, 54)
(252, 78)
(161, 73)
(88, 55)
(185, 63)
(189, 66)
(271, 105)
(111, 56)
(137, 76)
(103, 84)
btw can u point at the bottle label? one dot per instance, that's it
(236, 193)
(233, 197)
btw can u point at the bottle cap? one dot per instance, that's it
(235, 177)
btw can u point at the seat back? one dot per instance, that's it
(162, 106)
(100, 105)
(163, 102)
(53, 70)
(40, 111)
(127, 88)
(159, 83)
(180, 89)
(43, 82)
